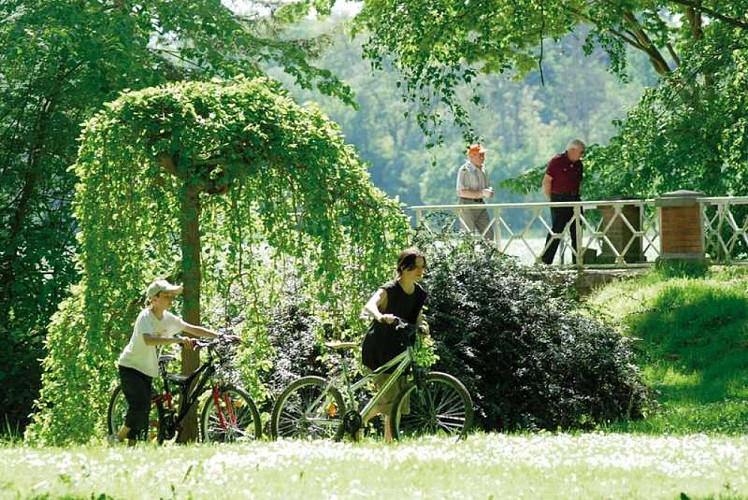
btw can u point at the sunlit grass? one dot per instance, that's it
(692, 339)
(483, 466)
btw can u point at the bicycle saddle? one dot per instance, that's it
(338, 345)
(177, 377)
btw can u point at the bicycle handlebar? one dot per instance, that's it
(401, 324)
(210, 343)
(217, 341)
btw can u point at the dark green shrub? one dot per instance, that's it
(294, 335)
(518, 340)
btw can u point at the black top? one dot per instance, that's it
(383, 342)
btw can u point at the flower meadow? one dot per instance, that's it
(543, 465)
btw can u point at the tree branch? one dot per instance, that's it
(166, 162)
(713, 13)
(219, 185)
(655, 57)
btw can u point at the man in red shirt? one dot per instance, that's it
(561, 182)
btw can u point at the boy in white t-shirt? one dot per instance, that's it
(138, 363)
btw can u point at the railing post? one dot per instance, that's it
(681, 226)
(622, 223)
(578, 237)
(496, 226)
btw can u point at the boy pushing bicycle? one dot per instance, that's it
(138, 362)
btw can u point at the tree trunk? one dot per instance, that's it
(191, 278)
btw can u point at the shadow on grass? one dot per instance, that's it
(696, 356)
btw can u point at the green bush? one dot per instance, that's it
(682, 268)
(518, 340)
(294, 334)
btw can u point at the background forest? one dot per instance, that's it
(522, 121)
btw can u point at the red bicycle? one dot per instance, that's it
(227, 413)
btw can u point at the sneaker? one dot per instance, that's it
(113, 440)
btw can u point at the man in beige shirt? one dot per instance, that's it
(473, 187)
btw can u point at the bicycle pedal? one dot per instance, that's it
(352, 423)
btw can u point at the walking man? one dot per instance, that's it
(473, 187)
(562, 182)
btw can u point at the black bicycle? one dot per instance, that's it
(227, 413)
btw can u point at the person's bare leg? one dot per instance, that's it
(387, 429)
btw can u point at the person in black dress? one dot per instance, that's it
(401, 298)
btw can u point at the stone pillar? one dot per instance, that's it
(681, 226)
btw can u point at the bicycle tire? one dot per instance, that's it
(309, 409)
(117, 410)
(234, 419)
(438, 405)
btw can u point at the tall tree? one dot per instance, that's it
(687, 133)
(439, 44)
(522, 122)
(60, 60)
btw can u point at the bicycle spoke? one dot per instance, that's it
(230, 416)
(438, 405)
(307, 409)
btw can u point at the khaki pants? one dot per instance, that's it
(475, 220)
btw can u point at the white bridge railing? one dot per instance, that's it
(610, 234)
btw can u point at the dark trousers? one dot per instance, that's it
(137, 388)
(560, 217)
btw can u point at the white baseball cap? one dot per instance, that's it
(159, 286)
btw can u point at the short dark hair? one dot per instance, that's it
(407, 259)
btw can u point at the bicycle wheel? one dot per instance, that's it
(308, 408)
(438, 405)
(116, 418)
(230, 415)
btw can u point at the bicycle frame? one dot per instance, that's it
(401, 362)
(188, 394)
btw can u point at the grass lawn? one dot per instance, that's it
(692, 339)
(483, 466)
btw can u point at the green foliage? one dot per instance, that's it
(296, 197)
(439, 46)
(689, 133)
(693, 349)
(522, 122)
(529, 356)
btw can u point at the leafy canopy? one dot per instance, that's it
(440, 45)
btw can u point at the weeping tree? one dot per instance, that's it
(225, 187)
